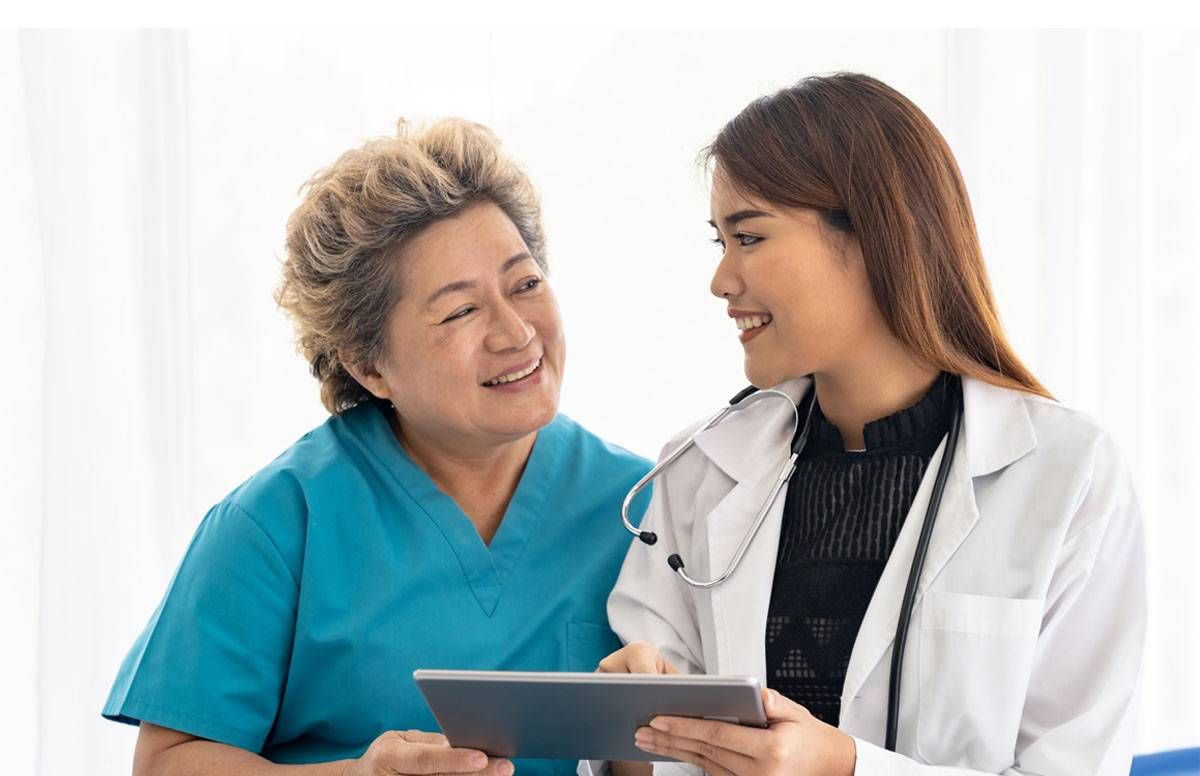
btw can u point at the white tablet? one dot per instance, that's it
(570, 716)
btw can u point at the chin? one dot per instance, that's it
(519, 422)
(763, 375)
(760, 377)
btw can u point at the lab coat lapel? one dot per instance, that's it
(739, 605)
(751, 447)
(996, 431)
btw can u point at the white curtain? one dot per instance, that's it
(147, 176)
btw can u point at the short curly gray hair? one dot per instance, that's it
(339, 277)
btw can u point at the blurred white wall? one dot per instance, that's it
(148, 175)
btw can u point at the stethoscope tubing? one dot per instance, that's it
(739, 402)
(914, 573)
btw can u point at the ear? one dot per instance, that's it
(369, 377)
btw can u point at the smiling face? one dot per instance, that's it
(475, 347)
(797, 289)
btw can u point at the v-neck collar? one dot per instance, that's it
(486, 568)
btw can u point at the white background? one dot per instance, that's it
(147, 177)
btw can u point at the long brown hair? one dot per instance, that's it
(866, 157)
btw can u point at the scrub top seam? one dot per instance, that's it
(152, 630)
(270, 541)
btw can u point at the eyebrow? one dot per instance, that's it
(733, 219)
(466, 285)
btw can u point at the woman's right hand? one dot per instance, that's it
(418, 753)
(637, 657)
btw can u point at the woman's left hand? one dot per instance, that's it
(795, 744)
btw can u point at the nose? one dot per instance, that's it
(726, 283)
(509, 330)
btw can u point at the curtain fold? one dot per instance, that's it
(106, 138)
(1079, 149)
(23, 314)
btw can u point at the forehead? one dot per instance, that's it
(481, 237)
(726, 197)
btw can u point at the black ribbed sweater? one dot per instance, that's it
(842, 514)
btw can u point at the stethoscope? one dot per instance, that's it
(741, 401)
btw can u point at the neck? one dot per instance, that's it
(854, 394)
(480, 477)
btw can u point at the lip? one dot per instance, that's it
(749, 334)
(528, 380)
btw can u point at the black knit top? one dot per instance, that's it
(841, 518)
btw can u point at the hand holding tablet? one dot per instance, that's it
(577, 716)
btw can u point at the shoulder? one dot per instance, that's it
(1070, 436)
(591, 451)
(1076, 454)
(280, 496)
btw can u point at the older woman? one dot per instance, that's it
(445, 516)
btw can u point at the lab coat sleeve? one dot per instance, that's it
(650, 604)
(1079, 709)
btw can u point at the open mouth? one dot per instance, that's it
(516, 376)
(751, 322)
(751, 325)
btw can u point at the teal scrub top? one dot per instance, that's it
(310, 594)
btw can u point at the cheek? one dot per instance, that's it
(432, 366)
(547, 322)
(819, 303)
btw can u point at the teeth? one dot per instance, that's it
(515, 375)
(752, 321)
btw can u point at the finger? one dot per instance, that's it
(643, 659)
(415, 758)
(741, 739)
(728, 759)
(499, 766)
(612, 664)
(634, 658)
(780, 707)
(422, 737)
(655, 745)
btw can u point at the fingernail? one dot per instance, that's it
(659, 724)
(643, 740)
(479, 760)
(506, 768)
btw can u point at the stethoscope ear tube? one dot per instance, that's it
(914, 574)
(649, 537)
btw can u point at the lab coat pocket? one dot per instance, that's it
(976, 655)
(588, 644)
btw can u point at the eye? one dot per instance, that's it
(529, 285)
(742, 239)
(463, 313)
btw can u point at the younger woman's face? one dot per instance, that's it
(796, 289)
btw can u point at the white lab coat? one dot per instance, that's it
(1025, 645)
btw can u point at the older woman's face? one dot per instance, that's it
(475, 344)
